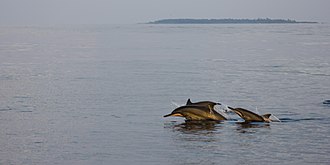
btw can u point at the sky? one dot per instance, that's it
(54, 12)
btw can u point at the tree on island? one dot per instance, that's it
(226, 21)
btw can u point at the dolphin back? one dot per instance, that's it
(202, 103)
(248, 115)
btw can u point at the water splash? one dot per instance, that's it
(274, 118)
(176, 104)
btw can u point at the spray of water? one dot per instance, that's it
(274, 118)
(176, 104)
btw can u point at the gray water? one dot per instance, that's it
(96, 94)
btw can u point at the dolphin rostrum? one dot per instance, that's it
(197, 112)
(249, 116)
(203, 103)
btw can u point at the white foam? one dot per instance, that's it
(274, 118)
(176, 104)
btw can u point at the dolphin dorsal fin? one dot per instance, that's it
(266, 115)
(189, 102)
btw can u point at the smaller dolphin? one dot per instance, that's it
(203, 103)
(326, 102)
(196, 112)
(249, 116)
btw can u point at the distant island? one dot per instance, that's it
(228, 21)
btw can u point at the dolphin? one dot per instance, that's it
(249, 116)
(203, 103)
(326, 102)
(197, 112)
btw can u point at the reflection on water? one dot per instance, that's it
(195, 131)
(247, 127)
(217, 142)
(199, 138)
(197, 127)
(209, 127)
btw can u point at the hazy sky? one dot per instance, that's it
(29, 12)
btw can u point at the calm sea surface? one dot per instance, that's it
(96, 94)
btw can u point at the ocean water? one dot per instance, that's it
(96, 94)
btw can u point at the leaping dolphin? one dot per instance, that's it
(249, 116)
(203, 103)
(197, 112)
